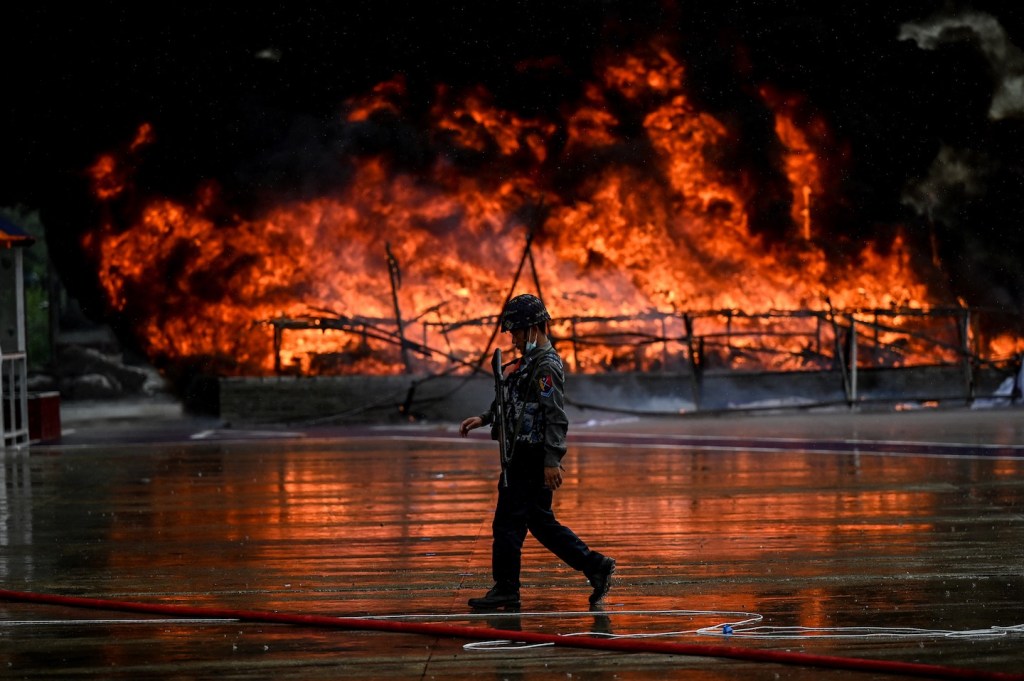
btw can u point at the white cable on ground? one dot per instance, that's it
(739, 626)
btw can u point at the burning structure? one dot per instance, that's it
(666, 231)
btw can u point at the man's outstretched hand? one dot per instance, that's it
(469, 424)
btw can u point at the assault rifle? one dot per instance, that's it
(504, 447)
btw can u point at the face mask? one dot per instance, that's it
(530, 345)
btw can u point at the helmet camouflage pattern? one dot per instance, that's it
(522, 312)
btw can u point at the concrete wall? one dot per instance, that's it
(348, 399)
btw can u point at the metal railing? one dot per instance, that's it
(690, 344)
(789, 340)
(14, 426)
(684, 362)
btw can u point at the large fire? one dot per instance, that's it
(658, 249)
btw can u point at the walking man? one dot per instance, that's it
(535, 427)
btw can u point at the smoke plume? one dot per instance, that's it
(983, 30)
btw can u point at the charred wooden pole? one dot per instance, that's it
(575, 346)
(527, 255)
(278, 332)
(853, 360)
(395, 275)
(964, 328)
(533, 267)
(664, 345)
(1018, 389)
(536, 220)
(696, 362)
(838, 350)
(728, 329)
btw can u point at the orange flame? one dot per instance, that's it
(660, 237)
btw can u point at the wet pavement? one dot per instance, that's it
(891, 536)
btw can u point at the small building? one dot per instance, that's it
(14, 418)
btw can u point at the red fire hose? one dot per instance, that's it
(485, 634)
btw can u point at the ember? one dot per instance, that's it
(648, 247)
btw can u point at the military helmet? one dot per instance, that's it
(522, 312)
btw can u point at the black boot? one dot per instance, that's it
(601, 579)
(497, 597)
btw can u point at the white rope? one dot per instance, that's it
(737, 624)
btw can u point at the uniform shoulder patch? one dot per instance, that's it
(545, 386)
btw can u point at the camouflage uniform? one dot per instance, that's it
(534, 390)
(537, 425)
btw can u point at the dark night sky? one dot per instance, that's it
(79, 84)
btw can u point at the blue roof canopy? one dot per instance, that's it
(12, 235)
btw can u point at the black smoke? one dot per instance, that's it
(921, 100)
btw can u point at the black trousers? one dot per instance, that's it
(525, 505)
